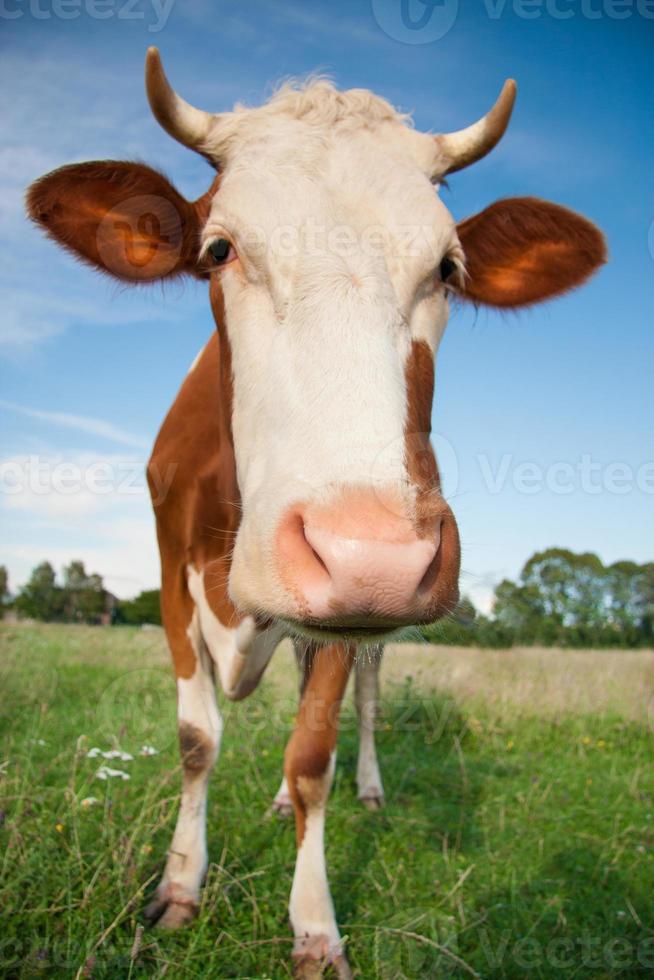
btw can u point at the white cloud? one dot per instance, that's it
(64, 506)
(81, 423)
(128, 561)
(23, 333)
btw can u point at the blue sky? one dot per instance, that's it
(524, 404)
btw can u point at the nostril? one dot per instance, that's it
(313, 550)
(428, 580)
(319, 559)
(298, 554)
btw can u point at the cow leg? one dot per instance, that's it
(241, 654)
(200, 729)
(366, 698)
(309, 768)
(282, 805)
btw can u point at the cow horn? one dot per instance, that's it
(182, 121)
(460, 149)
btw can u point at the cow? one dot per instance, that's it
(305, 498)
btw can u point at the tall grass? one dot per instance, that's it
(516, 841)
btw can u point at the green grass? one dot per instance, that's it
(516, 841)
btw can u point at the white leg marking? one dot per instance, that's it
(282, 805)
(241, 654)
(200, 727)
(311, 908)
(366, 696)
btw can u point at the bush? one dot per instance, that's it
(145, 608)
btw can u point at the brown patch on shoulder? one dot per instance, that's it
(195, 495)
(196, 748)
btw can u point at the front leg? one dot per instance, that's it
(282, 805)
(200, 729)
(309, 769)
(241, 653)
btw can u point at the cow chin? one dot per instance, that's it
(360, 570)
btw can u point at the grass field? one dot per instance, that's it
(517, 839)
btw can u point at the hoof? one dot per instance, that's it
(313, 958)
(306, 968)
(372, 799)
(177, 915)
(171, 908)
(281, 806)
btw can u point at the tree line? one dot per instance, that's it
(560, 599)
(76, 597)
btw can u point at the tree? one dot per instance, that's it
(456, 629)
(568, 599)
(622, 606)
(84, 594)
(4, 589)
(466, 627)
(41, 598)
(82, 598)
(572, 588)
(144, 608)
(519, 610)
(644, 602)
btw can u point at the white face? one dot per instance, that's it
(338, 242)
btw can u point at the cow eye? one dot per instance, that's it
(221, 251)
(448, 269)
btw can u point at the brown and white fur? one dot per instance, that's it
(303, 494)
(370, 790)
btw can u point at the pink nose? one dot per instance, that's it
(356, 563)
(366, 576)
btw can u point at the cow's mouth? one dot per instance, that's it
(339, 633)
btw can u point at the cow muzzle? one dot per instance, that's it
(364, 564)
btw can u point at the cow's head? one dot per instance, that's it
(330, 252)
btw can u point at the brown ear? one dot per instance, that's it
(123, 218)
(522, 250)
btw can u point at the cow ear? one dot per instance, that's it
(125, 219)
(522, 250)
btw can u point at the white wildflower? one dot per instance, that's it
(148, 750)
(104, 772)
(110, 754)
(89, 801)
